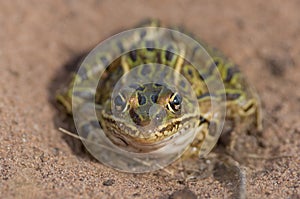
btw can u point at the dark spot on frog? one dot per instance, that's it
(154, 97)
(85, 130)
(169, 53)
(145, 70)
(105, 61)
(141, 99)
(133, 55)
(150, 45)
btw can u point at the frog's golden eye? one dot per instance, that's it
(120, 103)
(174, 104)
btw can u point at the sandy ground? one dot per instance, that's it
(38, 39)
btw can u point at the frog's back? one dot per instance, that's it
(241, 101)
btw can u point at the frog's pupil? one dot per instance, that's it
(177, 100)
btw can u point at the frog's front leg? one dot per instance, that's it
(205, 138)
(75, 95)
(253, 107)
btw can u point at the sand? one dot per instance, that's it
(39, 38)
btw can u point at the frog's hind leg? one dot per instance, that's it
(75, 94)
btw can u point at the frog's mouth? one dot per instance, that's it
(139, 139)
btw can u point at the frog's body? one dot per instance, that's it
(149, 116)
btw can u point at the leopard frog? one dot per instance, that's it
(166, 96)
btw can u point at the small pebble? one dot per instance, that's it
(109, 182)
(183, 194)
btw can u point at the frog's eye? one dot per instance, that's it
(174, 104)
(120, 103)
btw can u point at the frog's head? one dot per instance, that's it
(147, 117)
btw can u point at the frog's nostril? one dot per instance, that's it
(159, 116)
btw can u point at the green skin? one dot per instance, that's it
(148, 116)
